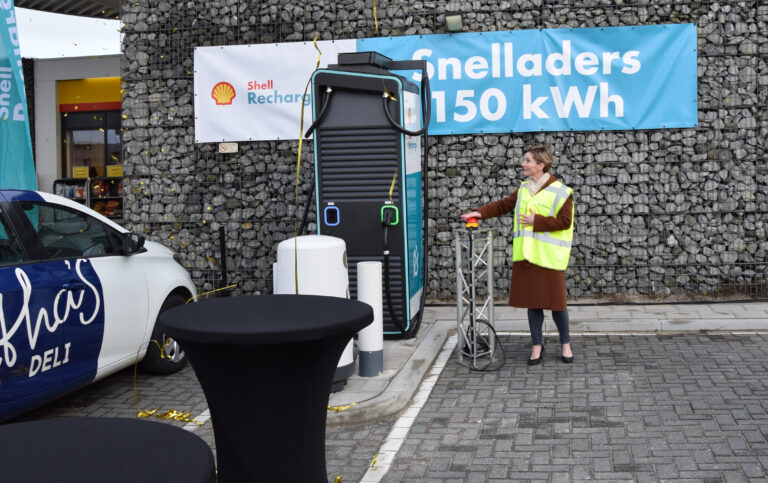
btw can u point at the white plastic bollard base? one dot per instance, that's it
(322, 262)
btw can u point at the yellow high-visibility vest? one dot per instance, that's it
(550, 249)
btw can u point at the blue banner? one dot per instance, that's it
(17, 166)
(613, 78)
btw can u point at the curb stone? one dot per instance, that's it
(401, 388)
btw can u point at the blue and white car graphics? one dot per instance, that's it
(74, 306)
(50, 334)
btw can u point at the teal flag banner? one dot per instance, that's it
(17, 166)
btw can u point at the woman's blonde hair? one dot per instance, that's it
(542, 155)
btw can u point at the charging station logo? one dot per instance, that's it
(223, 93)
(264, 92)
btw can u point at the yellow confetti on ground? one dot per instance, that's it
(341, 408)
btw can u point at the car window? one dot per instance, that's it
(10, 248)
(68, 233)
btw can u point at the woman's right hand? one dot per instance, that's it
(471, 214)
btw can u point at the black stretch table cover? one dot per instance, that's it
(97, 450)
(266, 365)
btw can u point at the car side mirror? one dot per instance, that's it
(132, 243)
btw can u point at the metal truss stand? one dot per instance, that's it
(476, 342)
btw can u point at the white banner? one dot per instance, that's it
(254, 92)
(622, 78)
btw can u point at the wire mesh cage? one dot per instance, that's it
(660, 214)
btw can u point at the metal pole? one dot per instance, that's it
(459, 298)
(223, 252)
(490, 289)
(471, 282)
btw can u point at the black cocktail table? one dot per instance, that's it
(266, 364)
(96, 450)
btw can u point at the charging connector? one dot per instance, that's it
(390, 215)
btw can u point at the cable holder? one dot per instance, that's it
(477, 341)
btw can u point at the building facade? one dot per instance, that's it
(659, 213)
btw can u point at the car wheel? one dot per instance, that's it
(172, 357)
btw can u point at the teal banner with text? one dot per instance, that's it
(17, 166)
(566, 79)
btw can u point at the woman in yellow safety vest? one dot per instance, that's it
(541, 246)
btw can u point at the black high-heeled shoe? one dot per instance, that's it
(533, 362)
(567, 360)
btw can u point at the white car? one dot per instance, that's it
(79, 298)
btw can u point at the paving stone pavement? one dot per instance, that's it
(349, 450)
(683, 407)
(677, 407)
(114, 396)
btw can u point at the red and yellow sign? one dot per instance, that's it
(223, 93)
(97, 94)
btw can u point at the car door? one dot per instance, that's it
(85, 256)
(32, 348)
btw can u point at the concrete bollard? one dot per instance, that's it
(370, 340)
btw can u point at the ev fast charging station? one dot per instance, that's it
(368, 124)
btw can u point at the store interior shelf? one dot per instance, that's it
(101, 194)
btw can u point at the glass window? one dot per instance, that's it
(10, 248)
(91, 140)
(114, 139)
(68, 233)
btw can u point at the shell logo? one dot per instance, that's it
(223, 93)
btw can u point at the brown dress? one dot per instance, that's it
(535, 287)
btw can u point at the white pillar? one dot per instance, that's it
(322, 270)
(370, 340)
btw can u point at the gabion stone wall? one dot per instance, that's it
(675, 212)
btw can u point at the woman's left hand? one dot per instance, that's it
(527, 220)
